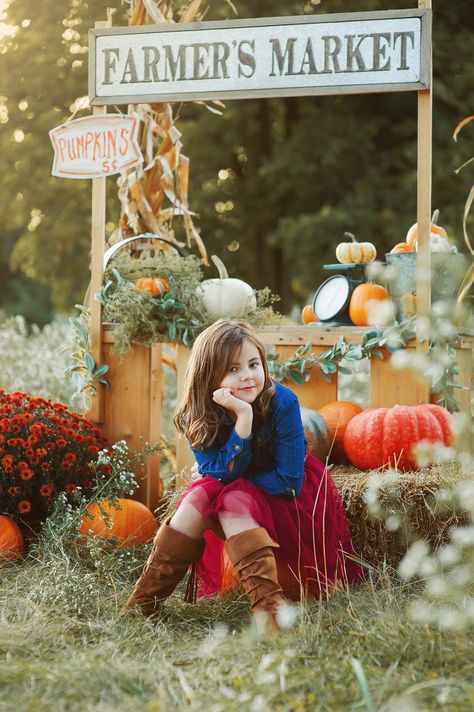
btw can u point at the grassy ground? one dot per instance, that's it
(65, 644)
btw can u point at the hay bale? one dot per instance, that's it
(409, 497)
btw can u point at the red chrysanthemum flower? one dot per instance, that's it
(45, 449)
(27, 473)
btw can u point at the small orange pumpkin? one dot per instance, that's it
(412, 234)
(307, 314)
(337, 415)
(362, 296)
(156, 286)
(11, 539)
(401, 247)
(133, 523)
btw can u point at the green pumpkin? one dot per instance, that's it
(317, 433)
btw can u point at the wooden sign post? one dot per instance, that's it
(98, 218)
(423, 259)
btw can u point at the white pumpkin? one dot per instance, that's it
(355, 252)
(438, 244)
(226, 296)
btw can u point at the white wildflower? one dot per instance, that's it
(259, 704)
(212, 641)
(410, 564)
(437, 586)
(287, 615)
(448, 555)
(464, 536)
(392, 523)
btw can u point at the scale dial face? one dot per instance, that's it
(331, 298)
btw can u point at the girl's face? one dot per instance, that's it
(245, 375)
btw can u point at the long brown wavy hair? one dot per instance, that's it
(198, 417)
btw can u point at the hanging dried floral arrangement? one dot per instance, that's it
(153, 195)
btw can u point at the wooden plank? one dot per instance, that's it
(126, 403)
(393, 386)
(317, 335)
(423, 262)
(300, 335)
(465, 367)
(96, 413)
(184, 455)
(154, 483)
(316, 392)
(464, 358)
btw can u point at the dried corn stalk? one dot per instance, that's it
(152, 195)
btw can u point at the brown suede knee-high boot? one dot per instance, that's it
(167, 564)
(251, 554)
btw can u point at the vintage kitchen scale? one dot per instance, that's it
(332, 298)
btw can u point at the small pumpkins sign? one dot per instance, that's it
(95, 146)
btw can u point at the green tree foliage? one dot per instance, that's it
(299, 172)
(276, 182)
(45, 220)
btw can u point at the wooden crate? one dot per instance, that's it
(132, 407)
(133, 404)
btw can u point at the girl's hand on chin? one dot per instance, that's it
(225, 398)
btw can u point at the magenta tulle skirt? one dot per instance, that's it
(316, 555)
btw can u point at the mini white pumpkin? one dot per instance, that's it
(438, 244)
(355, 252)
(226, 296)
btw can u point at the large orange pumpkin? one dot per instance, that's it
(11, 539)
(156, 286)
(337, 415)
(383, 437)
(361, 299)
(412, 234)
(132, 524)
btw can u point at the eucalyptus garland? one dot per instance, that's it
(441, 355)
(298, 366)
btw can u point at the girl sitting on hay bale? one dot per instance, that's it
(256, 492)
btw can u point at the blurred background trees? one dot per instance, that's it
(275, 182)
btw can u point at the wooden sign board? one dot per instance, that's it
(95, 146)
(290, 56)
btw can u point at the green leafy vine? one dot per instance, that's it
(85, 373)
(298, 366)
(441, 364)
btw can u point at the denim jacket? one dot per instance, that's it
(272, 457)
